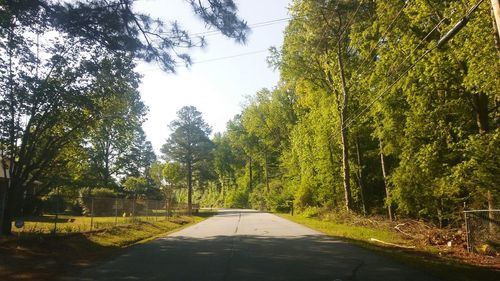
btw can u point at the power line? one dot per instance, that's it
(447, 36)
(212, 60)
(348, 121)
(230, 57)
(254, 25)
(384, 35)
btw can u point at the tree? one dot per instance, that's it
(138, 157)
(48, 95)
(425, 122)
(328, 61)
(138, 186)
(167, 177)
(110, 141)
(188, 144)
(115, 26)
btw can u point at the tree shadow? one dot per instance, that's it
(246, 257)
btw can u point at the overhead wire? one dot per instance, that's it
(379, 96)
(217, 32)
(368, 57)
(254, 25)
(231, 56)
(395, 70)
(179, 64)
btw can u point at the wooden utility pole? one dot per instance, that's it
(495, 4)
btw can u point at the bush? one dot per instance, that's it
(311, 212)
(102, 203)
(237, 198)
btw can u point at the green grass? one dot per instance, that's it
(425, 258)
(140, 231)
(73, 224)
(348, 231)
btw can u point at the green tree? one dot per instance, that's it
(48, 95)
(328, 61)
(138, 186)
(426, 123)
(118, 123)
(139, 156)
(188, 144)
(115, 26)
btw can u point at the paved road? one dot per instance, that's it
(241, 245)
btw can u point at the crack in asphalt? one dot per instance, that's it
(355, 270)
(232, 250)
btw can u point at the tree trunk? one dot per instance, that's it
(12, 206)
(250, 182)
(480, 102)
(360, 178)
(190, 188)
(384, 177)
(267, 175)
(343, 131)
(333, 166)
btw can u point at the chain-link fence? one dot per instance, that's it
(60, 214)
(482, 231)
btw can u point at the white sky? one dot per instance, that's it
(216, 88)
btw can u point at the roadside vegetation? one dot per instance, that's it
(36, 256)
(372, 118)
(438, 251)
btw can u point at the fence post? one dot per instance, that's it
(166, 208)
(91, 213)
(133, 207)
(56, 217)
(467, 229)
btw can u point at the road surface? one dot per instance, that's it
(248, 245)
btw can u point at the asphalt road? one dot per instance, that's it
(248, 245)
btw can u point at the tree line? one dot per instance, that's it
(371, 115)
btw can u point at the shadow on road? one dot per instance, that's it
(306, 258)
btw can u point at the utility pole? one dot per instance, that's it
(460, 24)
(495, 4)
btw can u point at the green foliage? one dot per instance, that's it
(431, 116)
(190, 147)
(237, 198)
(99, 207)
(101, 192)
(138, 186)
(73, 89)
(212, 197)
(478, 173)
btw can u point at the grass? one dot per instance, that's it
(425, 258)
(42, 256)
(348, 231)
(72, 224)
